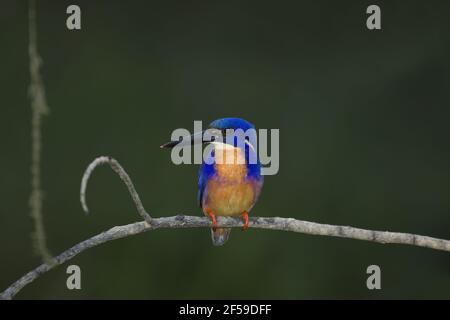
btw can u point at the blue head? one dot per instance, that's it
(231, 123)
(225, 124)
(249, 150)
(222, 127)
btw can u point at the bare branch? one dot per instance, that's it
(282, 224)
(180, 221)
(39, 108)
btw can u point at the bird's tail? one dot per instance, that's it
(220, 235)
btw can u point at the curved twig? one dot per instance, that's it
(180, 221)
(114, 164)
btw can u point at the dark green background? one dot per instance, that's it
(364, 129)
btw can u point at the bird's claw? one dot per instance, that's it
(245, 218)
(212, 216)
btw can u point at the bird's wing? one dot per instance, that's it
(201, 185)
(205, 173)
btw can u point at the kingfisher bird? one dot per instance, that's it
(227, 188)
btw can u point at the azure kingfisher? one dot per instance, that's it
(228, 188)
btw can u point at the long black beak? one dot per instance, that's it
(195, 138)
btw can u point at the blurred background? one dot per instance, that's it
(364, 141)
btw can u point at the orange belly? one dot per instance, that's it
(229, 198)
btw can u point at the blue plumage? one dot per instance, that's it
(229, 189)
(208, 170)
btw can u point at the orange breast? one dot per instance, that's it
(229, 193)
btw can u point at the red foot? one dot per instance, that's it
(213, 219)
(245, 218)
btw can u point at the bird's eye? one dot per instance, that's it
(215, 134)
